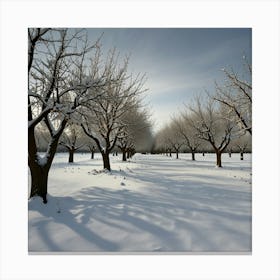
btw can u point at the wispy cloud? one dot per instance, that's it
(179, 63)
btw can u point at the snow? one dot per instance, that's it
(153, 203)
(42, 159)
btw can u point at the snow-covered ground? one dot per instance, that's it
(153, 203)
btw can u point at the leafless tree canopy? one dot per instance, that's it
(103, 117)
(59, 82)
(211, 125)
(236, 94)
(169, 139)
(135, 134)
(188, 132)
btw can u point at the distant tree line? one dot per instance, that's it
(219, 122)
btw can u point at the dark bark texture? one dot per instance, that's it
(39, 181)
(123, 155)
(193, 155)
(218, 159)
(71, 155)
(39, 169)
(106, 161)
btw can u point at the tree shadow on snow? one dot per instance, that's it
(59, 211)
(159, 213)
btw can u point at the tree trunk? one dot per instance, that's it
(71, 155)
(92, 155)
(177, 155)
(241, 156)
(203, 154)
(39, 172)
(39, 180)
(229, 154)
(170, 154)
(219, 159)
(123, 155)
(193, 155)
(106, 160)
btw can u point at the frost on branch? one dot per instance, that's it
(236, 95)
(59, 78)
(103, 117)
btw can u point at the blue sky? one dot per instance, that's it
(179, 63)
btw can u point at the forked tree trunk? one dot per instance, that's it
(106, 161)
(218, 159)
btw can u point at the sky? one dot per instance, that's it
(179, 62)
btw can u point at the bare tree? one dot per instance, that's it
(236, 94)
(174, 137)
(161, 143)
(135, 134)
(188, 133)
(58, 84)
(212, 126)
(170, 139)
(71, 139)
(102, 119)
(143, 136)
(91, 148)
(243, 144)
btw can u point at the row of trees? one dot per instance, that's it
(78, 97)
(219, 122)
(72, 87)
(135, 136)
